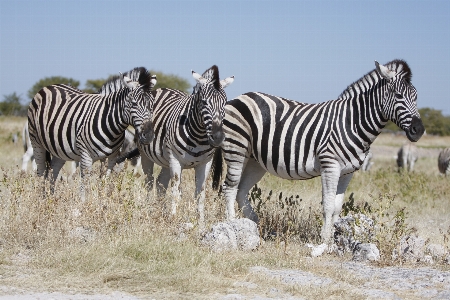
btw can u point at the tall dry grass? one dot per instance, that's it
(122, 238)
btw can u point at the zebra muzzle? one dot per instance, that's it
(146, 133)
(416, 130)
(216, 139)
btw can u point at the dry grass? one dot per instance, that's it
(120, 238)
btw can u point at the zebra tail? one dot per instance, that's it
(217, 168)
(129, 155)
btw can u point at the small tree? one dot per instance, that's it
(92, 86)
(49, 81)
(11, 105)
(171, 81)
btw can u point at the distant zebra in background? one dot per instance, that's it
(367, 164)
(294, 140)
(444, 162)
(66, 124)
(15, 138)
(188, 128)
(407, 156)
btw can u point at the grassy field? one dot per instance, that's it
(121, 238)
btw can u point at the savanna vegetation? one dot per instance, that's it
(121, 237)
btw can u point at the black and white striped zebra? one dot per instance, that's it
(66, 124)
(444, 162)
(188, 128)
(407, 156)
(294, 140)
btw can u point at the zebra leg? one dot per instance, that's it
(175, 176)
(40, 156)
(85, 169)
(162, 182)
(201, 173)
(56, 166)
(344, 180)
(330, 180)
(138, 163)
(252, 174)
(147, 168)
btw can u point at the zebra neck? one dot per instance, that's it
(117, 111)
(195, 116)
(366, 100)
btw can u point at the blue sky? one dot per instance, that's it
(309, 51)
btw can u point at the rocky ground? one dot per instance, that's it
(379, 283)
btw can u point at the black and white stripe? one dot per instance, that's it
(294, 140)
(188, 128)
(69, 125)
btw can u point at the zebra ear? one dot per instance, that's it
(384, 71)
(128, 82)
(198, 77)
(153, 81)
(227, 81)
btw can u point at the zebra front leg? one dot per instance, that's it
(201, 173)
(147, 168)
(175, 176)
(343, 182)
(330, 179)
(85, 170)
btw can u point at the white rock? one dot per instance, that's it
(366, 252)
(317, 250)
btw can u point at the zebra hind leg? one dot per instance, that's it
(240, 178)
(252, 174)
(56, 165)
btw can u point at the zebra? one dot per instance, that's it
(69, 125)
(407, 155)
(367, 164)
(188, 128)
(444, 162)
(294, 140)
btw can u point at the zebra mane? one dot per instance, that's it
(116, 83)
(371, 78)
(212, 74)
(402, 69)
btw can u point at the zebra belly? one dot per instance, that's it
(310, 170)
(186, 159)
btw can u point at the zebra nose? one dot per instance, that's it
(416, 129)
(216, 139)
(146, 133)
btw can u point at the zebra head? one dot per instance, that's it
(210, 100)
(400, 98)
(139, 102)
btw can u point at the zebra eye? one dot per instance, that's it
(398, 96)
